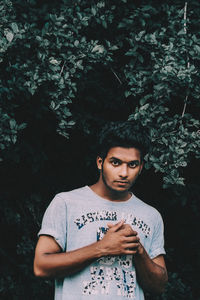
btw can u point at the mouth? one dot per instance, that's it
(121, 182)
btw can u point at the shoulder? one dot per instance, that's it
(62, 201)
(72, 195)
(148, 210)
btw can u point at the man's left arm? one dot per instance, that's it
(151, 273)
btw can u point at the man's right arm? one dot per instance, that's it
(51, 262)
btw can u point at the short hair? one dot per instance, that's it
(125, 134)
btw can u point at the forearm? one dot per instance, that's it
(65, 263)
(151, 276)
(50, 262)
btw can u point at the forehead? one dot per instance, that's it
(124, 154)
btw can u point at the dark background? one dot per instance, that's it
(42, 161)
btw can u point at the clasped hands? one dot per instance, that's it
(120, 239)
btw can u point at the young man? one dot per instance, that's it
(102, 242)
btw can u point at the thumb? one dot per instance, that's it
(115, 227)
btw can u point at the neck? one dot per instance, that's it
(105, 192)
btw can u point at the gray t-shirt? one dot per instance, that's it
(79, 218)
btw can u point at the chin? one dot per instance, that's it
(120, 189)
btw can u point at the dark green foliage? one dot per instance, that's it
(154, 63)
(67, 67)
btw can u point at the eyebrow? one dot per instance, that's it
(119, 160)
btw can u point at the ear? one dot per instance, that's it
(141, 167)
(99, 162)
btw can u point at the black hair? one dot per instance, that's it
(126, 134)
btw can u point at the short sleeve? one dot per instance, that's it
(54, 221)
(157, 243)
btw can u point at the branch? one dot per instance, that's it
(188, 63)
(116, 76)
(184, 107)
(185, 18)
(62, 68)
(166, 134)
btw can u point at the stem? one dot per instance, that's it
(62, 68)
(184, 107)
(185, 17)
(116, 76)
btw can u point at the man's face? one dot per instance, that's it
(120, 168)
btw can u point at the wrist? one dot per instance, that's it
(140, 250)
(101, 251)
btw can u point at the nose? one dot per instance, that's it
(123, 171)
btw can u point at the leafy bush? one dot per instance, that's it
(155, 62)
(67, 68)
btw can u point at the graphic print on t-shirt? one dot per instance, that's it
(106, 215)
(111, 275)
(112, 271)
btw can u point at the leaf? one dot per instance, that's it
(14, 27)
(181, 32)
(22, 126)
(144, 99)
(197, 48)
(183, 164)
(71, 123)
(12, 123)
(113, 48)
(14, 139)
(53, 61)
(9, 36)
(101, 4)
(179, 151)
(76, 43)
(104, 23)
(53, 105)
(94, 11)
(98, 49)
(144, 107)
(140, 58)
(156, 166)
(127, 93)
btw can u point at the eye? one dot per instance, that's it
(133, 164)
(115, 163)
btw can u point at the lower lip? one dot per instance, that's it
(121, 183)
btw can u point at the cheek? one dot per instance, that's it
(108, 171)
(134, 174)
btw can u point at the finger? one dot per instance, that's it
(132, 239)
(110, 225)
(115, 227)
(128, 231)
(130, 251)
(129, 228)
(132, 246)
